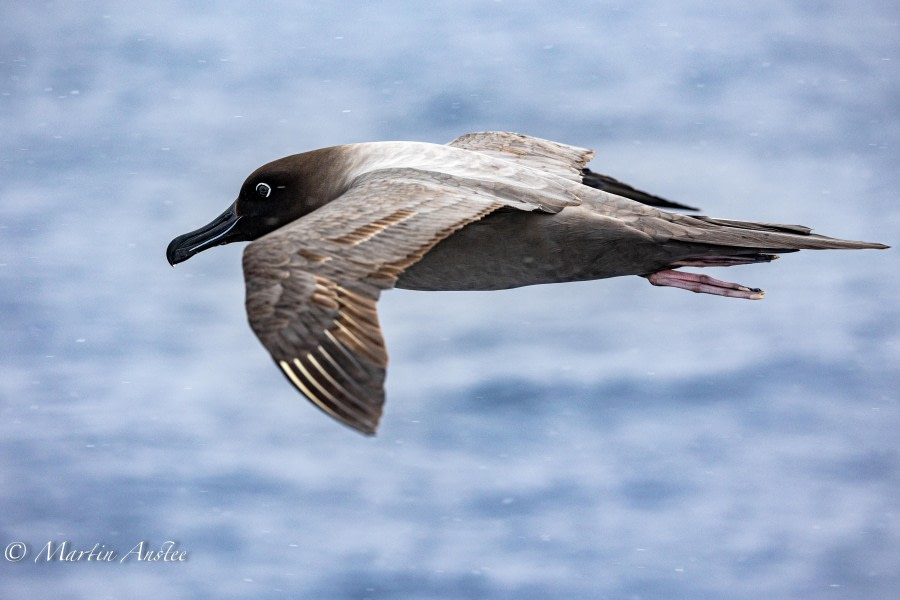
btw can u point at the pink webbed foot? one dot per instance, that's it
(704, 284)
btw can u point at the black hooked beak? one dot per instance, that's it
(222, 230)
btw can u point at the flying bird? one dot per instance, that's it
(332, 228)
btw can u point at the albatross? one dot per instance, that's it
(332, 228)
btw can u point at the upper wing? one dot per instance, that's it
(559, 159)
(312, 285)
(551, 157)
(620, 188)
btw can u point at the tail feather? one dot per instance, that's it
(770, 237)
(756, 226)
(722, 256)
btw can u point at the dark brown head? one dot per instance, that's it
(271, 197)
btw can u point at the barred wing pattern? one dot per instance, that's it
(312, 286)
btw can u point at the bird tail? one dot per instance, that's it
(765, 238)
(708, 242)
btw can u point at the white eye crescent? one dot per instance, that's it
(263, 189)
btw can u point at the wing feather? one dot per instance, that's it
(551, 157)
(313, 285)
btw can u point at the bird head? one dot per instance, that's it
(272, 196)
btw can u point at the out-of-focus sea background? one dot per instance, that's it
(595, 440)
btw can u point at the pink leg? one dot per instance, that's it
(704, 284)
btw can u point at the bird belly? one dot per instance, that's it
(514, 248)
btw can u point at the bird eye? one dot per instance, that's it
(263, 189)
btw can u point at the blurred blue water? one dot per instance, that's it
(595, 440)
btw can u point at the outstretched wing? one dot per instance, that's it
(559, 159)
(312, 286)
